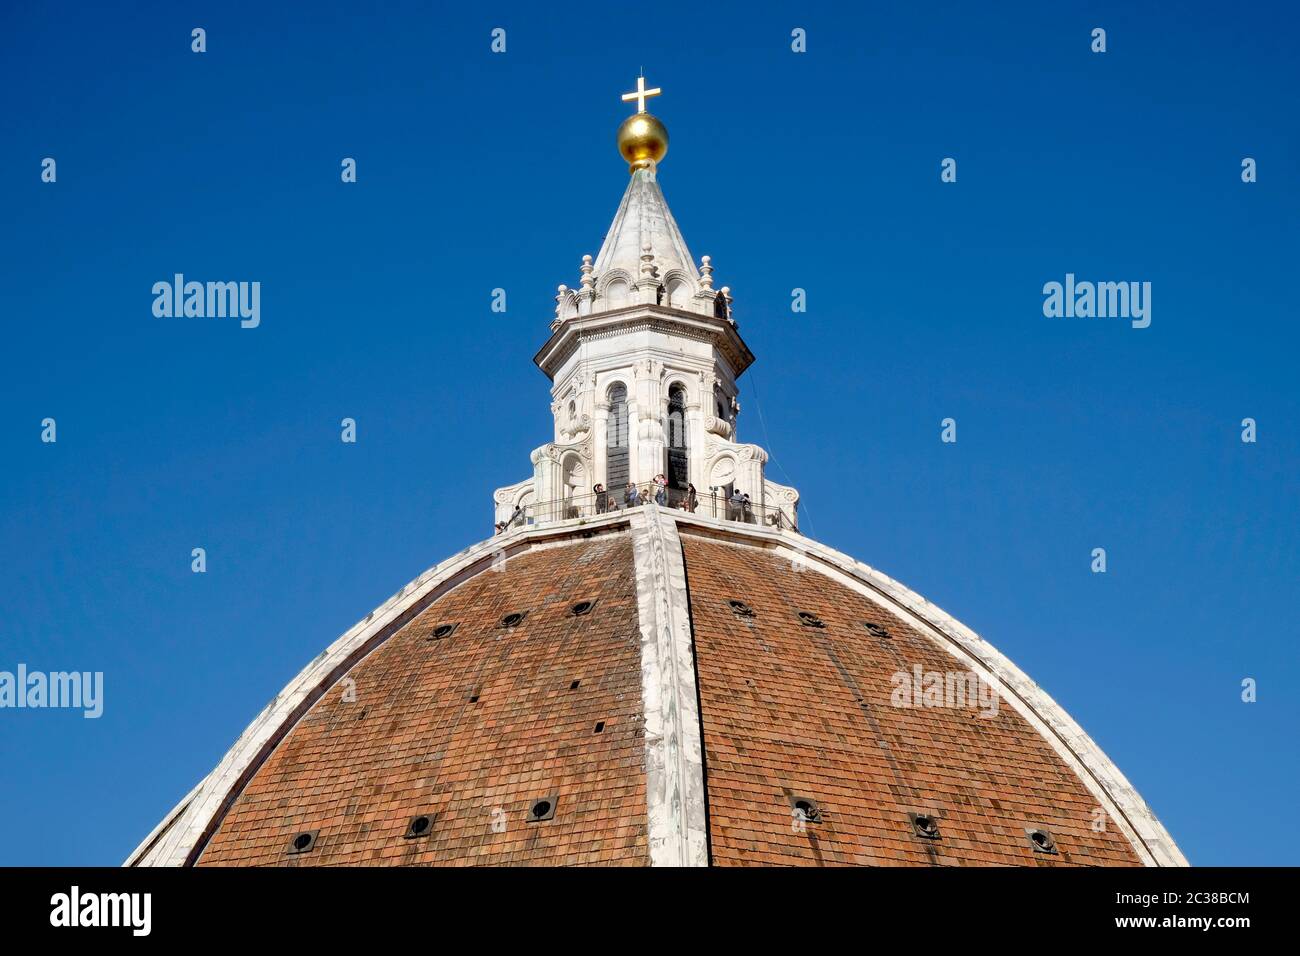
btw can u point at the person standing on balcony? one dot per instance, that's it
(599, 491)
(735, 505)
(631, 497)
(660, 487)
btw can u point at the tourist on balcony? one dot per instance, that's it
(631, 497)
(599, 491)
(659, 488)
(736, 505)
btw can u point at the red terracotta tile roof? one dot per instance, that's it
(792, 710)
(413, 743)
(470, 729)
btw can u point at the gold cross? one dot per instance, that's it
(641, 94)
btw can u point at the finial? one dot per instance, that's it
(647, 260)
(641, 94)
(588, 280)
(706, 272)
(642, 139)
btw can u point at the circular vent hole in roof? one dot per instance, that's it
(741, 608)
(543, 808)
(809, 619)
(419, 826)
(806, 808)
(875, 630)
(442, 630)
(1043, 842)
(303, 842)
(512, 620)
(582, 607)
(924, 825)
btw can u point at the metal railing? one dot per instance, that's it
(593, 505)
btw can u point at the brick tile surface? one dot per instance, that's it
(790, 710)
(414, 743)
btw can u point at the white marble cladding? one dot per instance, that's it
(647, 320)
(676, 800)
(650, 353)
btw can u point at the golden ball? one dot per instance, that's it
(642, 140)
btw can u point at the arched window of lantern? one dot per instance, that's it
(676, 415)
(678, 457)
(616, 445)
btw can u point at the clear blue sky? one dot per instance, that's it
(479, 171)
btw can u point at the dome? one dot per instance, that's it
(653, 687)
(610, 680)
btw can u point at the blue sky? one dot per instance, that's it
(478, 171)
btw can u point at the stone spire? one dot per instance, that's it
(643, 218)
(644, 259)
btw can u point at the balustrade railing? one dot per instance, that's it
(598, 505)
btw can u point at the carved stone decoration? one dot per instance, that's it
(549, 452)
(649, 369)
(723, 471)
(718, 426)
(575, 428)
